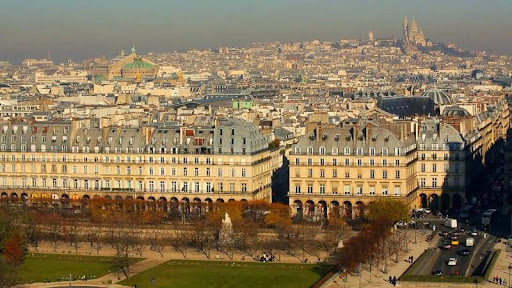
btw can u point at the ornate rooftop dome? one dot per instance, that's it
(438, 96)
(138, 63)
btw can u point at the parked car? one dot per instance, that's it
(452, 262)
(464, 252)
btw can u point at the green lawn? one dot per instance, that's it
(41, 267)
(183, 273)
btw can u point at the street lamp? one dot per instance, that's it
(509, 272)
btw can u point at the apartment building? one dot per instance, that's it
(79, 160)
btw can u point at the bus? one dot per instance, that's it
(487, 217)
(465, 211)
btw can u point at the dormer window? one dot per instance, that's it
(322, 150)
(310, 150)
(297, 150)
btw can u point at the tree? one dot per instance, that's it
(14, 249)
(391, 209)
(334, 233)
(203, 238)
(8, 275)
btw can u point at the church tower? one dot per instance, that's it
(406, 30)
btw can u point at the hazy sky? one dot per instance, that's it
(77, 29)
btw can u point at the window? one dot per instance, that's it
(219, 172)
(297, 161)
(347, 189)
(310, 150)
(297, 150)
(151, 186)
(310, 189)
(162, 171)
(197, 187)
(422, 167)
(185, 171)
(322, 150)
(372, 174)
(334, 173)
(422, 156)
(397, 151)
(334, 162)
(322, 173)
(384, 174)
(196, 171)
(347, 174)
(310, 173)
(209, 187)
(372, 162)
(434, 182)
(244, 187)
(150, 170)
(220, 187)
(397, 191)
(457, 156)
(162, 186)
(359, 162)
(397, 174)
(384, 151)
(372, 190)
(384, 162)
(244, 172)
(422, 182)
(310, 161)
(397, 162)
(208, 173)
(385, 190)
(446, 168)
(347, 162)
(297, 189)
(359, 190)
(434, 156)
(434, 167)
(359, 151)
(334, 151)
(322, 162)
(322, 189)
(173, 171)
(457, 167)
(372, 151)
(346, 151)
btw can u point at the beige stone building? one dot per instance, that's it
(187, 165)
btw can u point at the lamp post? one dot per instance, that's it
(509, 272)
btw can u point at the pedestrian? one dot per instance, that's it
(390, 279)
(412, 259)
(494, 279)
(500, 280)
(394, 280)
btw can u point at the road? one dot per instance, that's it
(465, 264)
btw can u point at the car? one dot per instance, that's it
(473, 233)
(454, 238)
(437, 272)
(464, 252)
(447, 246)
(443, 233)
(462, 230)
(452, 262)
(454, 233)
(455, 243)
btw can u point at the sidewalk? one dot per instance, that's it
(379, 279)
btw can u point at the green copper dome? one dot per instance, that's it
(138, 63)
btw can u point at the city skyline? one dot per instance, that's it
(102, 29)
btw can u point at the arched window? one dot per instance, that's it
(310, 150)
(322, 150)
(384, 151)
